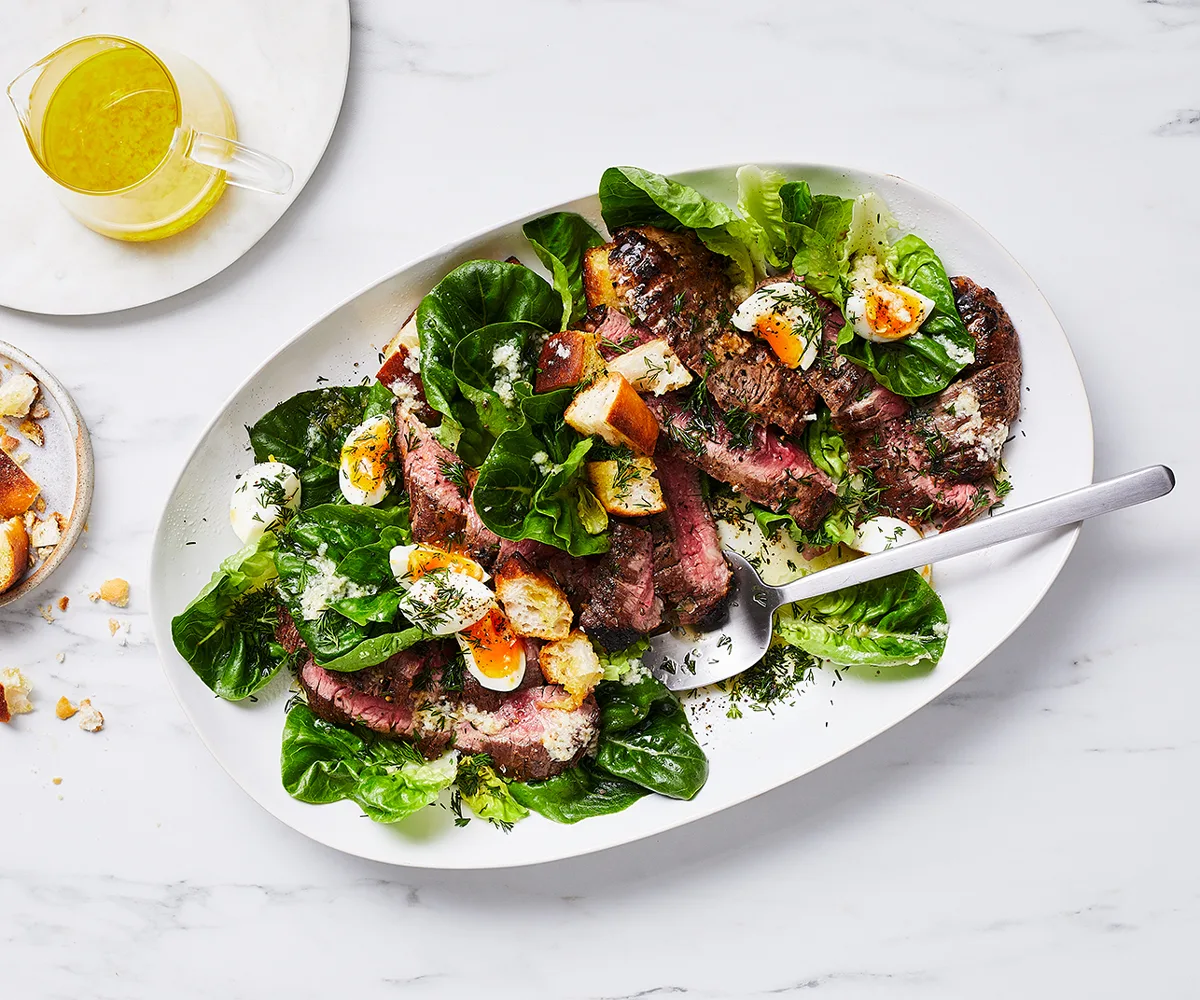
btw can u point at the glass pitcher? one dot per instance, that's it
(140, 145)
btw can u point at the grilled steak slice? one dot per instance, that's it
(995, 336)
(481, 542)
(617, 334)
(527, 738)
(401, 372)
(286, 633)
(674, 287)
(756, 382)
(966, 424)
(621, 605)
(770, 471)
(690, 571)
(439, 504)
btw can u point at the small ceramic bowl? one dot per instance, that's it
(63, 467)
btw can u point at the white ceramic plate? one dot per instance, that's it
(281, 63)
(987, 595)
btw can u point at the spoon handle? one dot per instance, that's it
(1067, 508)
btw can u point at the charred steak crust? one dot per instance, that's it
(690, 570)
(995, 336)
(755, 382)
(621, 605)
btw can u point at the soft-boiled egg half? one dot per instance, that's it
(411, 562)
(443, 601)
(883, 311)
(786, 316)
(365, 472)
(261, 496)
(493, 652)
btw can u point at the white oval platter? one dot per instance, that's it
(987, 595)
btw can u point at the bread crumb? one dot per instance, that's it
(61, 657)
(47, 532)
(16, 692)
(64, 709)
(94, 596)
(40, 505)
(57, 781)
(39, 411)
(115, 592)
(47, 612)
(17, 395)
(21, 457)
(90, 719)
(33, 432)
(63, 602)
(114, 626)
(8, 442)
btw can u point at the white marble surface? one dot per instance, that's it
(1032, 833)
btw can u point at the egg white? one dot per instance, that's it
(249, 512)
(881, 533)
(445, 602)
(868, 282)
(791, 302)
(399, 557)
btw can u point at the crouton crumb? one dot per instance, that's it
(61, 657)
(64, 709)
(47, 612)
(90, 718)
(63, 602)
(33, 432)
(57, 781)
(16, 691)
(114, 626)
(115, 592)
(94, 596)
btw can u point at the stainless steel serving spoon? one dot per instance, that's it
(687, 659)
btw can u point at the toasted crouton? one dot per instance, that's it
(14, 694)
(567, 359)
(115, 592)
(612, 409)
(573, 664)
(17, 490)
(652, 367)
(534, 603)
(14, 552)
(597, 280)
(17, 395)
(627, 488)
(406, 337)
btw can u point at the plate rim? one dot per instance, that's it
(85, 474)
(1070, 535)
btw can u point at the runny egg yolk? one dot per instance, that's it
(493, 645)
(423, 559)
(367, 454)
(781, 338)
(890, 311)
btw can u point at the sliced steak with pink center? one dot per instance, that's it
(756, 382)
(690, 571)
(527, 737)
(966, 424)
(432, 476)
(620, 605)
(768, 470)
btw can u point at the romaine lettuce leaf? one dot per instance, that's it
(560, 240)
(227, 632)
(894, 621)
(389, 779)
(925, 362)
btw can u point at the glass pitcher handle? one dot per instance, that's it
(243, 166)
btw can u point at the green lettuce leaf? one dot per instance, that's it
(389, 779)
(517, 497)
(308, 430)
(227, 633)
(826, 447)
(927, 361)
(560, 240)
(472, 296)
(487, 793)
(759, 200)
(821, 258)
(631, 196)
(580, 793)
(894, 621)
(477, 373)
(353, 543)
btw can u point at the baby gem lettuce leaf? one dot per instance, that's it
(388, 779)
(345, 548)
(630, 196)
(925, 362)
(580, 793)
(479, 375)
(308, 431)
(518, 497)
(472, 296)
(227, 633)
(560, 240)
(486, 793)
(894, 621)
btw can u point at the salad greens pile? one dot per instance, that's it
(480, 331)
